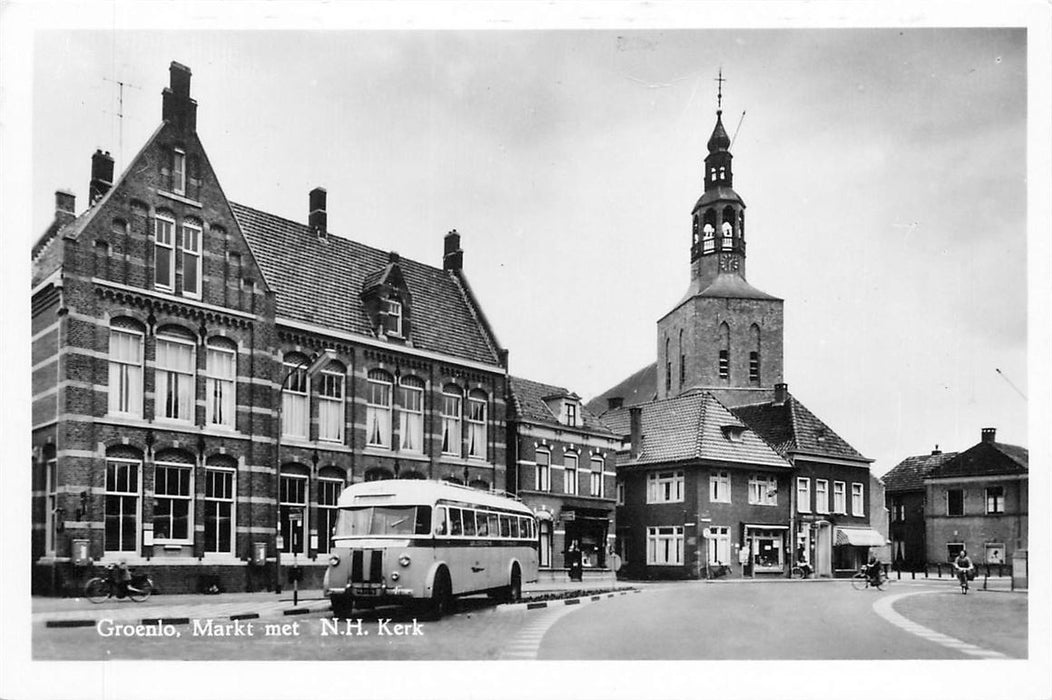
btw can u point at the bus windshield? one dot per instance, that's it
(383, 520)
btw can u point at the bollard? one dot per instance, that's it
(913, 573)
(925, 569)
(938, 569)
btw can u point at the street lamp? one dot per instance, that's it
(313, 365)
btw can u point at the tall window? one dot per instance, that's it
(664, 487)
(803, 495)
(724, 365)
(839, 502)
(295, 400)
(620, 493)
(330, 407)
(411, 415)
(857, 507)
(955, 502)
(995, 499)
(708, 238)
(543, 481)
(293, 507)
(477, 424)
(378, 409)
(328, 494)
(191, 252)
(664, 546)
(719, 545)
(164, 253)
(763, 490)
(720, 487)
(682, 361)
(393, 310)
(171, 503)
(898, 510)
(122, 505)
(571, 413)
(221, 372)
(51, 489)
(821, 496)
(668, 367)
(570, 473)
(219, 510)
(125, 372)
(597, 477)
(452, 399)
(754, 366)
(174, 379)
(178, 171)
(728, 235)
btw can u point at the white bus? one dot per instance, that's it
(424, 542)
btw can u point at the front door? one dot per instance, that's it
(824, 550)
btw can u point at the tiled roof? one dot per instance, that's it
(319, 280)
(694, 426)
(527, 403)
(791, 427)
(636, 389)
(909, 474)
(985, 459)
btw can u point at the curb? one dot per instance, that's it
(186, 620)
(580, 600)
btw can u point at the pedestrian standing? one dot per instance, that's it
(743, 558)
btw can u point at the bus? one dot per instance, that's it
(423, 543)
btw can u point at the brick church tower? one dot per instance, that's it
(724, 334)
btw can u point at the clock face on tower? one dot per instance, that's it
(728, 263)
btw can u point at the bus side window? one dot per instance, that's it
(423, 520)
(494, 524)
(524, 528)
(469, 523)
(505, 526)
(454, 522)
(514, 526)
(483, 524)
(440, 521)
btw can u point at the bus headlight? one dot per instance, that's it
(394, 575)
(334, 560)
(404, 560)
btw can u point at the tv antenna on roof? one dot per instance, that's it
(120, 114)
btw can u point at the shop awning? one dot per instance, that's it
(859, 537)
(765, 526)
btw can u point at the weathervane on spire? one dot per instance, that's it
(719, 91)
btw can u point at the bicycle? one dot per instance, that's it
(964, 575)
(863, 580)
(799, 571)
(100, 588)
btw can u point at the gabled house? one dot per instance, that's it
(905, 496)
(207, 376)
(562, 463)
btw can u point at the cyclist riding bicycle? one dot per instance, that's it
(963, 566)
(873, 569)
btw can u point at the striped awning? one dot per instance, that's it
(859, 537)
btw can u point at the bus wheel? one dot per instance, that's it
(342, 606)
(513, 593)
(441, 603)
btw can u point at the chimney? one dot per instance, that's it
(176, 105)
(781, 393)
(393, 257)
(989, 434)
(65, 206)
(101, 176)
(936, 451)
(613, 402)
(635, 423)
(453, 257)
(318, 219)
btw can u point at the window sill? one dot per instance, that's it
(179, 198)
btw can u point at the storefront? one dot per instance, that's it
(587, 528)
(851, 548)
(767, 547)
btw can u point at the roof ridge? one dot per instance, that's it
(476, 313)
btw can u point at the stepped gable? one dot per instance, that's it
(318, 280)
(909, 474)
(984, 459)
(527, 403)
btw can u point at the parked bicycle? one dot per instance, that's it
(863, 580)
(118, 582)
(802, 570)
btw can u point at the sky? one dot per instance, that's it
(884, 172)
(885, 158)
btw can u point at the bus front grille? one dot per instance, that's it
(367, 566)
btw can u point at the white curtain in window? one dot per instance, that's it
(220, 386)
(125, 377)
(451, 424)
(175, 380)
(378, 412)
(330, 407)
(411, 416)
(477, 425)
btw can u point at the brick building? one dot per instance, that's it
(720, 358)
(904, 494)
(207, 376)
(562, 463)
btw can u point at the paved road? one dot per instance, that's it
(789, 620)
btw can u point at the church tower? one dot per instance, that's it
(724, 334)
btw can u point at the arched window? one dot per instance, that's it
(378, 474)
(220, 501)
(330, 403)
(173, 497)
(378, 409)
(725, 352)
(682, 360)
(477, 424)
(174, 375)
(221, 375)
(121, 505)
(668, 367)
(723, 173)
(452, 399)
(754, 355)
(125, 367)
(295, 398)
(727, 232)
(411, 414)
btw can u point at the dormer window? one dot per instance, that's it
(571, 414)
(733, 432)
(393, 321)
(178, 172)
